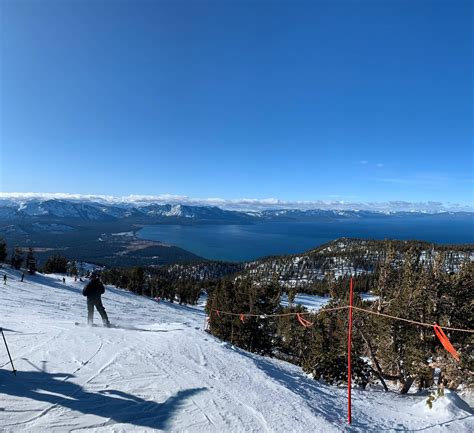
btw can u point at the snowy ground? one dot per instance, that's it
(311, 302)
(160, 372)
(316, 302)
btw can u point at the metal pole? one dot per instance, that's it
(8, 351)
(349, 347)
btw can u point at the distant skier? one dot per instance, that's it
(64, 280)
(94, 289)
(5, 279)
(22, 276)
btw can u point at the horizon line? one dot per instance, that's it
(247, 204)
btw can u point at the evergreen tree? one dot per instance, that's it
(72, 268)
(136, 282)
(31, 262)
(55, 264)
(254, 333)
(327, 352)
(17, 258)
(458, 311)
(293, 339)
(3, 250)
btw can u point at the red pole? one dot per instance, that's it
(349, 347)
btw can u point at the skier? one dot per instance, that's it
(94, 289)
(64, 280)
(22, 276)
(5, 279)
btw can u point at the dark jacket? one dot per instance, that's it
(94, 288)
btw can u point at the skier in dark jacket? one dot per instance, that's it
(94, 289)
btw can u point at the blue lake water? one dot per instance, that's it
(247, 242)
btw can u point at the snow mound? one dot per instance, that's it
(449, 406)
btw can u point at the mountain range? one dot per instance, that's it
(104, 232)
(90, 211)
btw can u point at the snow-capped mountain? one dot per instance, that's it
(61, 209)
(88, 210)
(98, 211)
(185, 211)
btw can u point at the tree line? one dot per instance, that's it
(18, 258)
(155, 283)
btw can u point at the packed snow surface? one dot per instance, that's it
(159, 371)
(311, 302)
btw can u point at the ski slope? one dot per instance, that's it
(159, 371)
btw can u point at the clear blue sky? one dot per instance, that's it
(336, 100)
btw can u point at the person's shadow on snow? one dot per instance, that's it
(118, 406)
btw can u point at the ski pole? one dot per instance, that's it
(8, 351)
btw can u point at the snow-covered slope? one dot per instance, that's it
(159, 371)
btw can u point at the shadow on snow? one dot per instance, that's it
(118, 406)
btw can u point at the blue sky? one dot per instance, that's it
(331, 100)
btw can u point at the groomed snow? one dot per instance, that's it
(161, 372)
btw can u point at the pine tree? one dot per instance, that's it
(327, 351)
(3, 250)
(458, 311)
(136, 283)
(17, 258)
(292, 338)
(221, 299)
(56, 264)
(73, 269)
(387, 277)
(31, 262)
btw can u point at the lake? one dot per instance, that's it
(248, 242)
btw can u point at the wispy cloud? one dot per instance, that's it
(423, 179)
(248, 204)
(366, 162)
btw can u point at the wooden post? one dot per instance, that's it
(349, 347)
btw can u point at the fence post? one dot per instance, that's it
(349, 347)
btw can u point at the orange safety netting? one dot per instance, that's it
(445, 341)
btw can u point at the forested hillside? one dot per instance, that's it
(409, 282)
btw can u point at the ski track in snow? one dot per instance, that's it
(157, 370)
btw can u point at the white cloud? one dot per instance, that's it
(364, 161)
(246, 204)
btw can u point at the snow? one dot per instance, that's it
(316, 302)
(368, 297)
(159, 371)
(127, 234)
(83, 267)
(311, 302)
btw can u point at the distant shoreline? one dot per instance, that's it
(240, 243)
